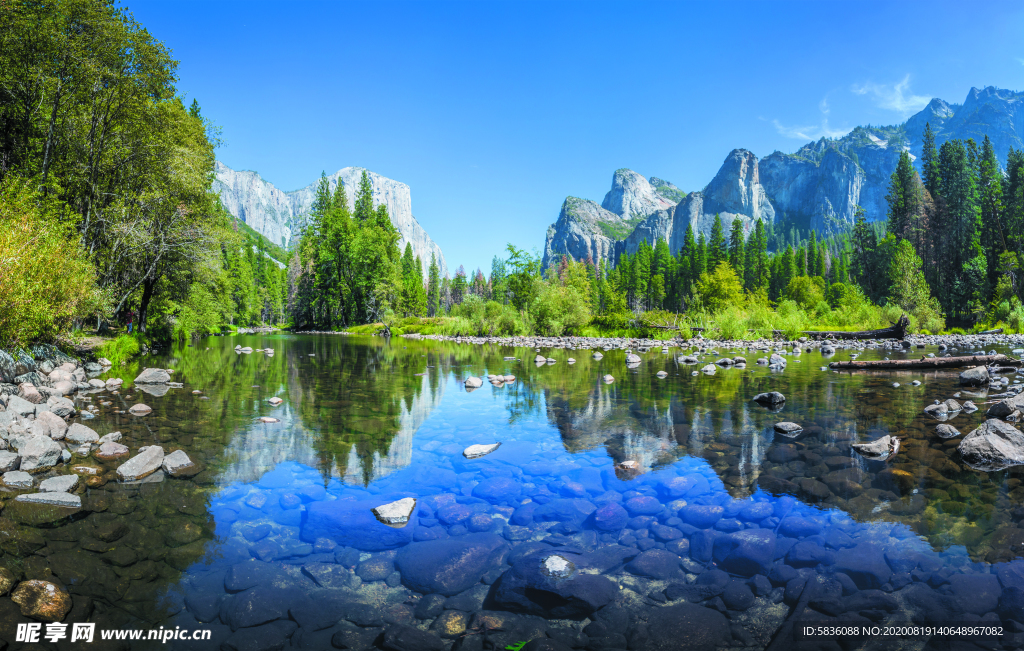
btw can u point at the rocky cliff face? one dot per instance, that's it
(633, 196)
(819, 186)
(281, 216)
(580, 232)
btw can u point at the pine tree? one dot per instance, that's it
(904, 199)
(864, 243)
(736, 247)
(717, 246)
(990, 196)
(364, 198)
(433, 287)
(962, 233)
(930, 162)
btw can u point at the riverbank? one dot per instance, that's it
(576, 343)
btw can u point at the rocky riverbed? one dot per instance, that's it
(355, 493)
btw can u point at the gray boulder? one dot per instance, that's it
(946, 431)
(153, 376)
(146, 462)
(59, 484)
(61, 407)
(770, 399)
(974, 377)
(52, 499)
(1004, 408)
(175, 462)
(20, 406)
(633, 359)
(39, 453)
(787, 428)
(9, 461)
(879, 448)
(473, 382)
(81, 434)
(993, 446)
(17, 479)
(54, 425)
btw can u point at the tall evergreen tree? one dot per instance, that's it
(718, 251)
(433, 287)
(930, 162)
(364, 198)
(904, 199)
(990, 197)
(736, 247)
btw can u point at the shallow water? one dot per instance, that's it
(242, 548)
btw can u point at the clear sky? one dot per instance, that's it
(494, 112)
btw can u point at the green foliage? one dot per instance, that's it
(559, 310)
(46, 279)
(805, 291)
(619, 230)
(719, 289)
(121, 349)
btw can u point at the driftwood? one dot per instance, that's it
(926, 363)
(997, 331)
(898, 330)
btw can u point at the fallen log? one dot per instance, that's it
(898, 330)
(997, 331)
(925, 363)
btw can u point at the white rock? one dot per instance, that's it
(479, 450)
(632, 359)
(175, 462)
(147, 461)
(20, 406)
(396, 512)
(597, 355)
(97, 384)
(473, 382)
(662, 374)
(103, 361)
(59, 484)
(275, 401)
(17, 479)
(608, 379)
(52, 499)
(113, 437)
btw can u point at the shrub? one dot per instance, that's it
(122, 349)
(46, 279)
(719, 289)
(558, 309)
(804, 291)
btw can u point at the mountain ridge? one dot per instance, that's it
(281, 215)
(819, 186)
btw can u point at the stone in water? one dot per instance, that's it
(396, 514)
(479, 450)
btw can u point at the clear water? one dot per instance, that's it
(367, 419)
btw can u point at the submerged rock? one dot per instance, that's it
(42, 600)
(549, 584)
(993, 446)
(450, 566)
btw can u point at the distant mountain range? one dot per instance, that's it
(819, 186)
(281, 216)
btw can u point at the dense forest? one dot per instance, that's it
(106, 212)
(107, 219)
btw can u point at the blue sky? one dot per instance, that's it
(494, 112)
